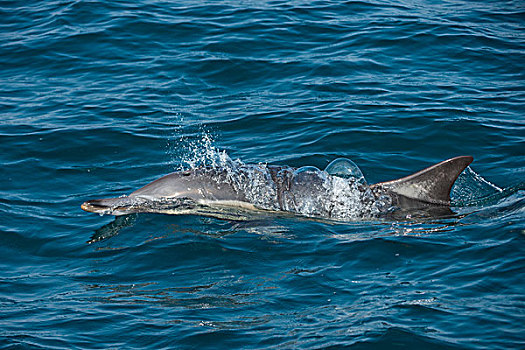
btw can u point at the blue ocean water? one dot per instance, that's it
(99, 98)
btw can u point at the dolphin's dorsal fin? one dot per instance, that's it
(431, 185)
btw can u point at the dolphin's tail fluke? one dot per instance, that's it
(431, 185)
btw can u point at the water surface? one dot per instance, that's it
(98, 99)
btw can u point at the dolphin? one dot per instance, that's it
(306, 191)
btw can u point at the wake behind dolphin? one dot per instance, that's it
(339, 192)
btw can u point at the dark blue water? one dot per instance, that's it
(98, 98)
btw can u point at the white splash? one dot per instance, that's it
(340, 192)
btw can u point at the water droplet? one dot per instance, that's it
(383, 203)
(345, 168)
(307, 169)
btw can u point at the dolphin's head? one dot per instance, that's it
(182, 190)
(139, 204)
(166, 188)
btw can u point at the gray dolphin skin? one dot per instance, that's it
(305, 191)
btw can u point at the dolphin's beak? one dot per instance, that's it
(113, 206)
(95, 206)
(86, 207)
